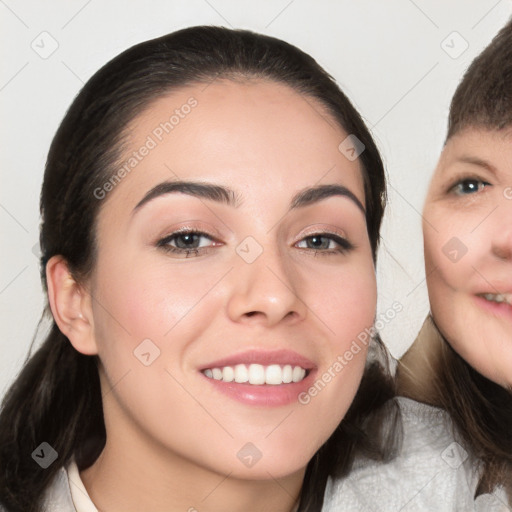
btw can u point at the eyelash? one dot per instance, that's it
(344, 246)
(459, 182)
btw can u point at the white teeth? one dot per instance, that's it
(257, 374)
(273, 374)
(298, 374)
(241, 373)
(498, 297)
(228, 374)
(287, 374)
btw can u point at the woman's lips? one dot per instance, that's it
(497, 304)
(265, 378)
(263, 395)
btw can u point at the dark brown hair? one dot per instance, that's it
(57, 396)
(484, 96)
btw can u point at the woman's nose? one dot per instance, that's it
(266, 290)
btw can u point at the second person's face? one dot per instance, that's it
(467, 227)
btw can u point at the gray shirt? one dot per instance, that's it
(432, 473)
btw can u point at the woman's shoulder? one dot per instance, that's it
(433, 471)
(57, 497)
(67, 492)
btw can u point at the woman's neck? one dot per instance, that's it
(130, 476)
(417, 368)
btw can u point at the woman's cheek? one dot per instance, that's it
(452, 252)
(350, 307)
(153, 300)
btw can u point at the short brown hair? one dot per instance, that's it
(484, 96)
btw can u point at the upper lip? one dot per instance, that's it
(495, 292)
(263, 357)
(496, 287)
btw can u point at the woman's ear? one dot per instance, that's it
(71, 306)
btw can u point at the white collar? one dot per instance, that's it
(79, 495)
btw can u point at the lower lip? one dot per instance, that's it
(265, 395)
(499, 309)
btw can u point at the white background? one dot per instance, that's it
(387, 56)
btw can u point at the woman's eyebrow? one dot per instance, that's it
(314, 194)
(196, 189)
(472, 160)
(228, 196)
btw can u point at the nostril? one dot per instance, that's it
(503, 253)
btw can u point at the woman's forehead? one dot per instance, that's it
(249, 136)
(234, 108)
(474, 146)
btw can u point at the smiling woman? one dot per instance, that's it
(206, 291)
(469, 268)
(462, 359)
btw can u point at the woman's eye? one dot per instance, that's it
(194, 243)
(326, 243)
(186, 243)
(468, 186)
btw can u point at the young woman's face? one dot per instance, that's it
(263, 259)
(467, 227)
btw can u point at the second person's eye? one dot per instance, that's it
(468, 186)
